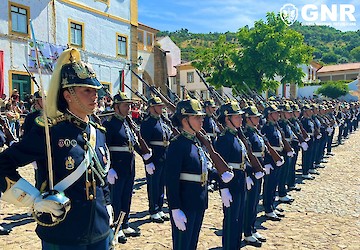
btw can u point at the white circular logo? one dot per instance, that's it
(289, 13)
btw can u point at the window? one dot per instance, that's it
(141, 36)
(22, 83)
(19, 19)
(190, 77)
(76, 34)
(149, 39)
(121, 45)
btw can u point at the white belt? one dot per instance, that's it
(239, 166)
(201, 178)
(160, 143)
(288, 139)
(211, 134)
(258, 154)
(310, 134)
(119, 149)
(279, 149)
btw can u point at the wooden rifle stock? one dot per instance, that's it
(274, 154)
(287, 146)
(143, 146)
(303, 131)
(298, 135)
(219, 163)
(254, 161)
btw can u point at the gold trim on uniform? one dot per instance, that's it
(69, 163)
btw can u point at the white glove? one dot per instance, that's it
(110, 211)
(268, 168)
(249, 182)
(226, 197)
(304, 146)
(227, 176)
(280, 163)
(259, 175)
(150, 168)
(307, 139)
(179, 219)
(147, 156)
(290, 153)
(21, 194)
(329, 130)
(48, 206)
(112, 176)
(319, 136)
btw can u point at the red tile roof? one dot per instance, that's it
(339, 67)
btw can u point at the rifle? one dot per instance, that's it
(287, 146)
(211, 89)
(137, 93)
(31, 76)
(252, 92)
(219, 162)
(143, 146)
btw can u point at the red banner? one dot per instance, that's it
(2, 73)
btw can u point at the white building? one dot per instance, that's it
(105, 32)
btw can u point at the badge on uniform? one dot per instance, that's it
(61, 143)
(69, 163)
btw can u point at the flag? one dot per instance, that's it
(2, 73)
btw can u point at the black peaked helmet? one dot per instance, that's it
(153, 101)
(122, 97)
(230, 108)
(188, 107)
(251, 111)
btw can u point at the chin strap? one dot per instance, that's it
(187, 119)
(82, 106)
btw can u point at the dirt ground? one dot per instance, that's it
(324, 215)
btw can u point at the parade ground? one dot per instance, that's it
(324, 215)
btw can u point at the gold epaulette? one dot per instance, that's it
(98, 126)
(40, 121)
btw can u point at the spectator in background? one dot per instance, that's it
(135, 113)
(15, 95)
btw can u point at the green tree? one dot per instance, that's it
(216, 62)
(355, 53)
(329, 58)
(271, 49)
(333, 89)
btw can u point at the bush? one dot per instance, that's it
(333, 89)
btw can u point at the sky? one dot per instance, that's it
(204, 16)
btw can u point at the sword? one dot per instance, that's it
(52, 194)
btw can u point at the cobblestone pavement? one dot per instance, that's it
(325, 214)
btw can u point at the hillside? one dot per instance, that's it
(332, 46)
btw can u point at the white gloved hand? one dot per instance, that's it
(304, 146)
(290, 153)
(150, 168)
(147, 156)
(110, 211)
(112, 176)
(307, 138)
(268, 168)
(329, 130)
(280, 163)
(259, 175)
(48, 206)
(319, 136)
(227, 176)
(179, 219)
(226, 197)
(249, 182)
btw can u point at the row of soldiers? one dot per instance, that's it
(245, 148)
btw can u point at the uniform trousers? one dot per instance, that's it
(270, 182)
(307, 157)
(121, 194)
(155, 188)
(188, 239)
(340, 135)
(329, 142)
(283, 175)
(233, 215)
(291, 177)
(103, 245)
(252, 198)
